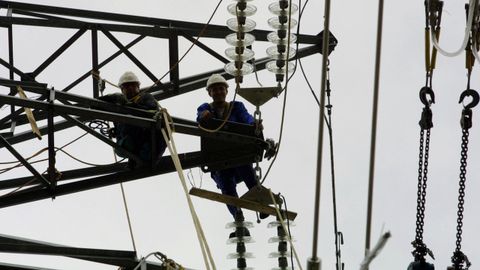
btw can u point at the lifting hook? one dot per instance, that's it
(423, 96)
(471, 93)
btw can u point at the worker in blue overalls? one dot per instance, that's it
(227, 179)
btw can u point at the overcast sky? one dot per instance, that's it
(159, 212)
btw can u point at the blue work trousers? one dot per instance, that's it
(227, 180)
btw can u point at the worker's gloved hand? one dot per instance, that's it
(158, 116)
(271, 149)
(205, 116)
(116, 98)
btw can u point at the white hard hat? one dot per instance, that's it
(128, 77)
(216, 78)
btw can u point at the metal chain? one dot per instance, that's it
(422, 182)
(459, 259)
(257, 116)
(426, 123)
(258, 172)
(420, 206)
(421, 249)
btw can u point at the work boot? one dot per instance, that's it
(261, 195)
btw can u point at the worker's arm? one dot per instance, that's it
(203, 113)
(146, 102)
(243, 115)
(116, 98)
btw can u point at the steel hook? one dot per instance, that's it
(423, 96)
(471, 93)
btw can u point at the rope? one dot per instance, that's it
(19, 164)
(81, 161)
(96, 75)
(465, 39)
(18, 188)
(282, 222)
(169, 263)
(198, 227)
(126, 210)
(374, 124)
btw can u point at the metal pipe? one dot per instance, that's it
(314, 261)
(374, 127)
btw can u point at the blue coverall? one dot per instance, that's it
(135, 139)
(227, 179)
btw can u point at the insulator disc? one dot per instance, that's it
(275, 24)
(273, 37)
(247, 255)
(272, 67)
(272, 52)
(247, 41)
(244, 239)
(232, 70)
(279, 254)
(247, 54)
(249, 11)
(236, 224)
(277, 223)
(248, 268)
(275, 9)
(277, 239)
(247, 27)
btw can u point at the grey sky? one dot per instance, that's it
(159, 212)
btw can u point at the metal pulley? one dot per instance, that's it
(460, 261)
(424, 93)
(427, 97)
(420, 265)
(466, 120)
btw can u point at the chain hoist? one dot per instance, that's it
(426, 123)
(459, 259)
(433, 11)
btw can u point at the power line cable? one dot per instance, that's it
(191, 46)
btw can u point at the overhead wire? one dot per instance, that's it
(201, 33)
(299, 59)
